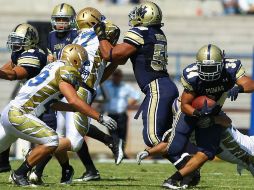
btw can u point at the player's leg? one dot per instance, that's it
(30, 128)
(77, 126)
(157, 113)
(35, 177)
(237, 148)
(121, 131)
(113, 142)
(4, 155)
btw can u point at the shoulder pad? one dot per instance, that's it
(71, 75)
(234, 68)
(190, 73)
(28, 58)
(134, 36)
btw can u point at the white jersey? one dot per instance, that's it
(38, 93)
(91, 73)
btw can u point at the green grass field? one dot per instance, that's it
(215, 175)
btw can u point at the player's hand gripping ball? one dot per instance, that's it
(204, 107)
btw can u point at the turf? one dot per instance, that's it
(215, 175)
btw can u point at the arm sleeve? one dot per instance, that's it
(186, 85)
(31, 62)
(70, 75)
(134, 37)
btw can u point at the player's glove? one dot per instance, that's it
(204, 111)
(100, 30)
(142, 155)
(233, 92)
(107, 122)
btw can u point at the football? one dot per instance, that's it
(199, 101)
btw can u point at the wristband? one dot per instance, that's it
(110, 55)
(241, 89)
(147, 152)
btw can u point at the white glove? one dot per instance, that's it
(108, 122)
(142, 155)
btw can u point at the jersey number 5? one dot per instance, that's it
(39, 78)
(159, 61)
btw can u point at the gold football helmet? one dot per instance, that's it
(112, 32)
(23, 37)
(63, 17)
(210, 62)
(145, 14)
(74, 54)
(88, 17)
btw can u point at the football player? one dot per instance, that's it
(68, 124)
(26, 62)
(64, 32)
(146, 46)
(235, 147)
(214, 76)
(20, 116)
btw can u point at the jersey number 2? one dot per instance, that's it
(39, 78)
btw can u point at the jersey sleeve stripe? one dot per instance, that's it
(240, 73)
(134, 37)
(132, 31)
(132, 41)
(30, 61)
(185, 84)
(29, 65)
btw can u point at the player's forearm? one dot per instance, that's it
(187, 109)
(62, 106)
(8, 74)
(9, 65)
(159, 149)
(82, 107)
(105, 48)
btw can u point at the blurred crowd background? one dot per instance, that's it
(188, 25)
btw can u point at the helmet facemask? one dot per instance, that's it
(209, 70)
(62, 23)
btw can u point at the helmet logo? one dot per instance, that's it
(31, 33)
(141, 11)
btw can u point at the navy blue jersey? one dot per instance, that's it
(33, 60)
(57, 42)
(150, 60)
(217, 90)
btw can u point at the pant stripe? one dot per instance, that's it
(170, 139)
(152, 113)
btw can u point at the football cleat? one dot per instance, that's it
(35, 179)
(191, 180)
(171, 184)
(117, 148)
(19, 180)
(67, 176)
(89, 176)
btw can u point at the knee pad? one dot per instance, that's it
(52, 141)
(76, 144)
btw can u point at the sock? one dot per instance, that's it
(95, 133)
(4, 158)
(85, 158)
(177, 176)
(23, 169)
(40, 167)
(65, 165)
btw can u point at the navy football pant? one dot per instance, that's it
(207, 139)
(157, 109)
